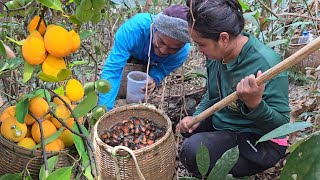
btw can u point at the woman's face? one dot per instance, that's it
(210, 48)
(165, 45)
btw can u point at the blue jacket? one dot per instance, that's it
(132, 39)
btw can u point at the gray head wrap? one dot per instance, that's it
(173, 27)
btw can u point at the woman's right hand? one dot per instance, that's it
(182, 127)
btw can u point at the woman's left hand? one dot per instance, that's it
(151, 86)
(249, 92)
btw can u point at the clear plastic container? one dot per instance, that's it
(136, 81)
(306, 38)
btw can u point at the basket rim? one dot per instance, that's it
(135, 107)
(22, 150)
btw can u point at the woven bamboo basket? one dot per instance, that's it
(128, 68)
(312, 61)
(157, 161)
(14, 158)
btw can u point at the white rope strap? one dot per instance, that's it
(117, 168)
(149, 57)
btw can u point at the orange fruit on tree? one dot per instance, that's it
(55, 145)
(74, 90)
(33, 49)
(63, 113)
(57, 101)
(75, 40)
(71, 121)
(38, 106)
(34, 23)
(48, 129)
(13, 130)
(29, 120)
(58, 41)
(27, 142)
(8, 112)
(52, 65)
(66, 137)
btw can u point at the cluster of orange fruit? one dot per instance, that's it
(27, 134)
(46, 46)
(49, 45)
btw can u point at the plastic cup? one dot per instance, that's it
(136, 81)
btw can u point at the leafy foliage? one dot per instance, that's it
(222, 166)
(304, 162)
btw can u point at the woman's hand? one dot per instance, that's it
(182, 127)
(151, 86)
(249, 92)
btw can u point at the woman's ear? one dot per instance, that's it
(224, 39)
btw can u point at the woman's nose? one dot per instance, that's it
(163, 50)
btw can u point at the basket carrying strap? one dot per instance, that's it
(117, 168)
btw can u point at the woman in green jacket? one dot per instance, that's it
(235, 58)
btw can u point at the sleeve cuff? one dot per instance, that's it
(256, 113)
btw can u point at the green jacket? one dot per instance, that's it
(274, 109)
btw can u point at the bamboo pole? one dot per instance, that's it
(295, 58)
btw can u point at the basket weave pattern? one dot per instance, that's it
(157, 161)
(13, 159)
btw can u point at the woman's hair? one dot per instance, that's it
(215, 16)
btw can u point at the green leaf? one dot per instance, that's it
(20, 43)
(51, 165)
(257, 15)
(4, 66)
(42, 93)
(63, 74)
(73, 19)
(277, 43)
(203, 159)
(316, 93)
(284, 130)
(88, 173)
(244, 6)
(59, 90)
(16, 176)
(188, 178)
(28, 71)
(61, 173)
(297, 144)
(47, 78)
(53, 4)
(80, 146)
(22, 108)
(305, 114)
(14, 63)
(225, 164)
(130, 3)
(304, 162)
(50, 139)
(2, 50)
(251, 18)
(86, 34)
(28, 178)
(75, 63)
(86, 105)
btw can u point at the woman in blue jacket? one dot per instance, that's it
(169, 49)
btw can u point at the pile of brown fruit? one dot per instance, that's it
(134, 133)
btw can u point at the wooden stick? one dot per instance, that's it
(295, 58)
